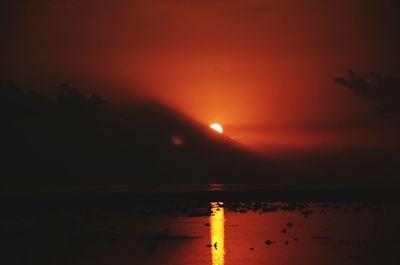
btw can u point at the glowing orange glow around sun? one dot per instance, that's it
(217, 127)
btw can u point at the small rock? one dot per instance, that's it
(269, 242)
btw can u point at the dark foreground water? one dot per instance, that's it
(187, 228)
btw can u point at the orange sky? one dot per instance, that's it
(256, 67)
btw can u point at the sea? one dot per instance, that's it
(213, 224)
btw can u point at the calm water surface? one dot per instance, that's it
(214, 233)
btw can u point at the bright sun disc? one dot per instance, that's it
(217, 127)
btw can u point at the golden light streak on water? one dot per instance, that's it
(217, 222)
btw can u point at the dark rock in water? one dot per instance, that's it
(255, 206)
(269, 209)
(289, 224)
(252, 249)
(269, 242)
(290, 207)
(207, 224)
(284, 231)
(286, 242)
(306, 214)
(209, 245)
(296, 239)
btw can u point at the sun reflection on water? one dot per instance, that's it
(217, 221)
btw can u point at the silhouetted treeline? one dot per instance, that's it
(77, 139)
(382, 91)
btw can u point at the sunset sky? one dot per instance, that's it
(259, 68)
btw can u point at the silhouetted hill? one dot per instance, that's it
(79, 140)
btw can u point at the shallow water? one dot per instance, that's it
(213, 233)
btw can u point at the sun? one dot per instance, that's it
(217, 127)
